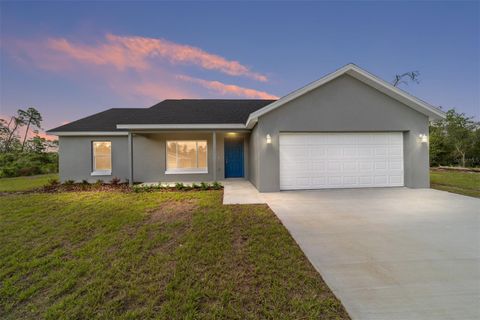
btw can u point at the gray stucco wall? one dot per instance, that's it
(76, 161)
(342, 105)
(149, 157)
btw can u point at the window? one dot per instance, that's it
(102, 158)
(187, 157)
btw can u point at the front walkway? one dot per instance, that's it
(240, 191)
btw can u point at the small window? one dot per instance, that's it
(187, 156)
(102, 158)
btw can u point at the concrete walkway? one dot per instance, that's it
(240, 191)
(393, 253)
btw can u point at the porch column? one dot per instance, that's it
(214, 153)
(130, 159)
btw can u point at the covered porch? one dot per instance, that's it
(169, 156)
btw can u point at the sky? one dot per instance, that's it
(73, 59)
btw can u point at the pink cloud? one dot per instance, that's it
(225, 89)
(158, 91)
(130, 67)
(133, 52)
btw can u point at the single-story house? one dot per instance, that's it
(348, 129)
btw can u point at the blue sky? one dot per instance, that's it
(73, 59)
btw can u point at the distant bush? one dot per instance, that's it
(14, 164)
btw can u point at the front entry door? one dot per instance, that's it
(234, 157)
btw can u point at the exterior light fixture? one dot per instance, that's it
(269, 139)
(423, 138)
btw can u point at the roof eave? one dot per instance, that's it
(224, 126)
(87, 133)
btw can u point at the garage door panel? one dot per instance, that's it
(341, 160)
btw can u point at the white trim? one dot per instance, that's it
(101, 173)
(88, 133)
(362, 75)
(186, 171)
(183, 126)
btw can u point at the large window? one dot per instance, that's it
(187, 156)
(102, 158)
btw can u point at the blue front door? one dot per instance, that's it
(234, 157)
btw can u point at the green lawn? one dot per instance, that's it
(466, 183)
(166, 255)
(25, 183)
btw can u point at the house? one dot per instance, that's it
(348, 129)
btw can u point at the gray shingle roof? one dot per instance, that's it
(185, 111)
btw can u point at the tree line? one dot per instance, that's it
(23, 155)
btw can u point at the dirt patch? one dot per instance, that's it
(174, 211)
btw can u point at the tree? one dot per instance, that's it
(454, 138)
(31, 118)
(3, 133)
(37, 144)
(16, 122)
(413, 76)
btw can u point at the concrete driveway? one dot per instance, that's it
(393, 253)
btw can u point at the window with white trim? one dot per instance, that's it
(187, 156)
(102, 157)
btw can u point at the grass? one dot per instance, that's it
(466, 183)
(25, 183)
(175, 255)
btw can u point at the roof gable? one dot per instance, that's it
(359, 74)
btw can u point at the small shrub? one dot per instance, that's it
(195, 186)
(204, 185)
(69, 182)
(180, 186)
(53, 182)
(85, 182)
(216, 185)
(115, 181)
(98, 183)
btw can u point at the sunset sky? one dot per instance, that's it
(70, 60)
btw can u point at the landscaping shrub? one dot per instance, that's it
(180, 186)
(115, 181)
(53, 182)
(216, 185)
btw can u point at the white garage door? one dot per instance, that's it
(341, 160)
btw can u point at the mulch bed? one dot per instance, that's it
(106, 187)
